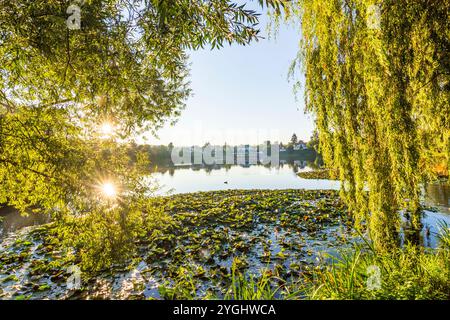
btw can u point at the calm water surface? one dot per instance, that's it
(193, 179)
(180, 180)
(188, 179)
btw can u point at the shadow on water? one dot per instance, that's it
(11, 220)
(438, 194)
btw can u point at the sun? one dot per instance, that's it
(109, 190)
(106, 129)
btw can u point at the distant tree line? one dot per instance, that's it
(160, 155)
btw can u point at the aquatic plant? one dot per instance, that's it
(186, 243)
(410, 272)
(317, 174)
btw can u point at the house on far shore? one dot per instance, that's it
(300, 146)
(282, 148)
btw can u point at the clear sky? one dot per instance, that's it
(241, 94)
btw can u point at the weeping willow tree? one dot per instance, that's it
(378, 82)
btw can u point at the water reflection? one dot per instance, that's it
(185, 179)
(11, 220)
(201, 178)
(438, 194)
(295, 165)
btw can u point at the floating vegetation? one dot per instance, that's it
(323, 174)
(209, 235)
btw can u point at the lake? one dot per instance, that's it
(273, 238)
(186, 179)
(193, 179)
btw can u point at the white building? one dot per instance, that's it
(300, 146)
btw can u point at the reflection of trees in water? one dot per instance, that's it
(294, 164)
(438, 193)
(435, 194)
(12, 220)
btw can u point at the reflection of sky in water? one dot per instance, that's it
(431, 221)
(186, 180)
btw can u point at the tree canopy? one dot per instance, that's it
(72, 95)
(377, 80)
(294, 139)
(125, 66)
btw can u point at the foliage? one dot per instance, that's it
(126, 67)
(252, 287)
(314, 144)
(109, 236)
(156, 154)
(294, 139)
(377, 80)
(185, 286)
(444, 235)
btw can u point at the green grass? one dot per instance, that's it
(411, 272)
(251, 287)
(406, 274)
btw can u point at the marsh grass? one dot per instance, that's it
(410, 272)
(444, 235)
(251, 287)
(184, 286)
(406, 274)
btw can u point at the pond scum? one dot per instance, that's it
(254, 244)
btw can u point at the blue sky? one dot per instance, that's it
(241, 94)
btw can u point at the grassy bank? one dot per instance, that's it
(408, 273)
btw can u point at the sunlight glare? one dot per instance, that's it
(107, 129)
(109, 190)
